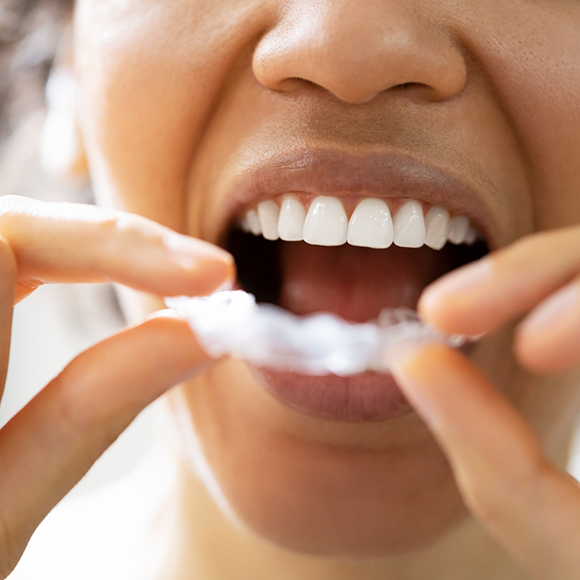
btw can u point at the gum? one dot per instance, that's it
(232, 323)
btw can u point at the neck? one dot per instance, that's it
(209, 545)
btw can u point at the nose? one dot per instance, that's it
(356, 49)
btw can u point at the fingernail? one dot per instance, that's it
(165, 313)
(399, 354)
(189, 252)
(555, 311)
(226, 286)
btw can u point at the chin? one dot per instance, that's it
(344, 513)
(358, 490)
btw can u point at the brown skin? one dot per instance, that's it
(176, 98)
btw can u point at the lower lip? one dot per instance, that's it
(366, 397)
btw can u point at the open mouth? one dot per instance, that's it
(324, 231)
(311, 255)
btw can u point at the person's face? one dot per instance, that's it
(193, 111)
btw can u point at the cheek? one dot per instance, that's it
(149, 75)
(539, 84)
(315, 495)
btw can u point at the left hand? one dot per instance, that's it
(525, 502)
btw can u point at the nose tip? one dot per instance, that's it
(356, 50)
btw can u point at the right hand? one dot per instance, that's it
(53, 441)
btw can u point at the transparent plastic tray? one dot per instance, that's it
(232, 323)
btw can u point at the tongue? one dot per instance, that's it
(355, 283)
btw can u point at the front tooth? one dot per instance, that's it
(458, 228)
(253, 222)
(326, 223)
(291, 220)
(410, 226)
(437, 226)
(268, 212)
(371, 225)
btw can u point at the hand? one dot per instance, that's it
(49, 445)
(530, 506)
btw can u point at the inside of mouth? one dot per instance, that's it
(354, 283)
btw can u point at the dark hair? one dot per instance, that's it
(29, 38)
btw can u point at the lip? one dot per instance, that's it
(338, 173)
(367, 397)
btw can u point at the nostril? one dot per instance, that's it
(356, 50)
(404, 86)
(417, 90)
(294, 83)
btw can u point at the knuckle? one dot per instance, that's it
(130, 229)
(72, 397)
(126, 227)
(139, 227)
(487, 508)
(69, 411)
(107, 233)
(79, 421)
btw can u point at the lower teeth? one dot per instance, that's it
(232, 323)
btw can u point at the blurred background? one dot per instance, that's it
(48, 332)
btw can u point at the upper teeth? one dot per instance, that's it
(371, 224)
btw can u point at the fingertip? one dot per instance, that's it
(412, 365)
(175, 335)
(404, 357)
(447, 310)
(210, 267)
(428, 366)
(432, 307)
(214, 275)
(455, 302)
(190, 251)
(167, 324)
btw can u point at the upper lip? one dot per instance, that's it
(337, 173)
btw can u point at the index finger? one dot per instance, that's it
(65, 242)
(485, 294)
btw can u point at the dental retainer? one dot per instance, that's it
(232, 323)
